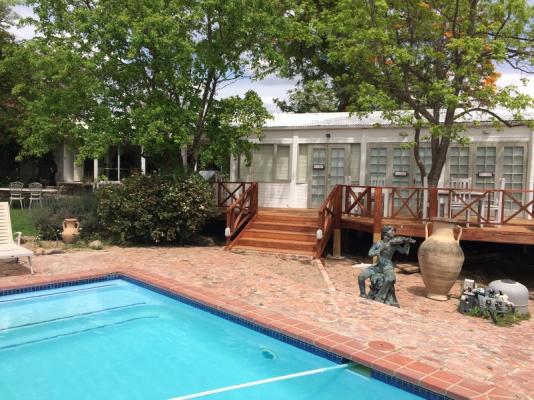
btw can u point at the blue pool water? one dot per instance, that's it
(117, 340)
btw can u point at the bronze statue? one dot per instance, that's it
(382, 273)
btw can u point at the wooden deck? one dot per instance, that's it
(517, 232)
(491, 216)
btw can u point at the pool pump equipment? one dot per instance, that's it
(486, 299)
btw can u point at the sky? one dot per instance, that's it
(275, 87)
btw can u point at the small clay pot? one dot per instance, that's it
(71, 230)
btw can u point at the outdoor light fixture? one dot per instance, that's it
(319, 234)
(227, 232)
(403, 134)
(328, 136)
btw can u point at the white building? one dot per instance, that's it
(302, 156)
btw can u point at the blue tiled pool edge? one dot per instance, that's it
(386, 378)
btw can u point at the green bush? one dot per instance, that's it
(155, 209)
(49, 219)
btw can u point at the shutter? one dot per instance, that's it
(355, 154)
(282, 163)
(262, 163)
(302, 168)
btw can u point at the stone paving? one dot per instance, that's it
(425, 330)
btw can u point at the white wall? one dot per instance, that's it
(295, 195)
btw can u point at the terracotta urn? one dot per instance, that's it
(71, 230)
(440, 258)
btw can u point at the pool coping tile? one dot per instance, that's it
(388, 363)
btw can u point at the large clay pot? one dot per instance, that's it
(440, 259)
(71, 230)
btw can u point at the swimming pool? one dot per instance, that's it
(116, 340)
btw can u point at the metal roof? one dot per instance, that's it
(345, 119)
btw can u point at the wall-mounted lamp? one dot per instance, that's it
(485, 132)
(403, 134)
(328, 135)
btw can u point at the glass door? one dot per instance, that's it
(318, 176)
(329, 166)
(336, 167)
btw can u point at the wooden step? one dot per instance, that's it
(286, 218)
(284, 227)
(253, 232)
(294, 245)
(254, 249)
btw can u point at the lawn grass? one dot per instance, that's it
(22, 222)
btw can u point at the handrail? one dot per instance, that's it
(329, 218)
(462, 205)
(228, 192)
(242, 210)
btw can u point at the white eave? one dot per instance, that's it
(371, 120)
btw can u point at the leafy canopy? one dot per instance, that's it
(310, 96)
(437, 58)
(144, 72)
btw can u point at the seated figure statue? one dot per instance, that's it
(382, 273)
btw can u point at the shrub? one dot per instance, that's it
(49, 219)
(155, 209)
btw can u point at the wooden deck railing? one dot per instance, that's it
(242, 210)
(226, 193)
(470, 206)
(329, 218)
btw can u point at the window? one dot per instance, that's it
(513, 172)
(377, 162)
(243, 170)
(425, 153)
(459, 162)
(486, 157)
(271, 162)
(514, 166)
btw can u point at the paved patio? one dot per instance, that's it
(429, 331)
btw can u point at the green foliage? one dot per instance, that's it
(10, 109)
(311, 96)
(21, 221)
(143, 73)
(49, 219)
(436, 58)
(508, 319)
(155, 209)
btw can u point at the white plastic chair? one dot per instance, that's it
(460, 198)
(36, 193)
(380, 181)
(8, 248)
(15, 193)
(377, 181)
(494, 203)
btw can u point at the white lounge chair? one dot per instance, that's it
(8, 248)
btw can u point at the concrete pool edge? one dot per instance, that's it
(380, 356)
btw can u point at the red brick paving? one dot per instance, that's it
(422, 343)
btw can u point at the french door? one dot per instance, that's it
(329, 166)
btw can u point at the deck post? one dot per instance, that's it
(337, 221)
(377, 217)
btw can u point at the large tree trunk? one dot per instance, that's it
(439, 156)
(417, 155)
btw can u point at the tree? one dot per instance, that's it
(310, 96)
(145, 72)
(435, 58)
(9, 107)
